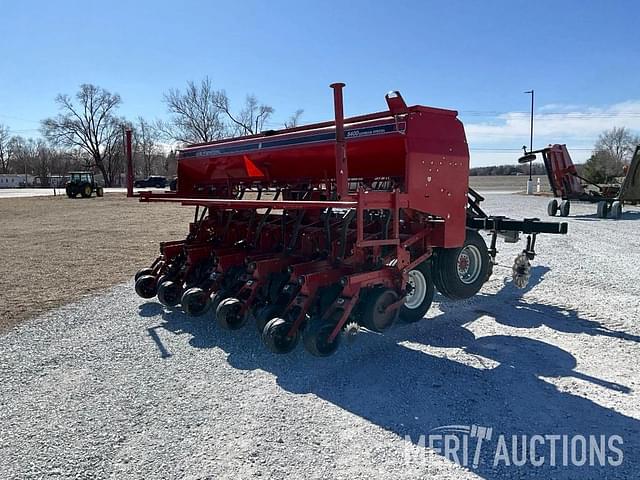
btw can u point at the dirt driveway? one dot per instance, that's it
(55, 250)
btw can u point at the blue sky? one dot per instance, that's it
(477, 57)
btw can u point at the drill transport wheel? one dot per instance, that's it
(616, 210)
(459, 273)
(603, 209)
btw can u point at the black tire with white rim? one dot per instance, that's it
(420, 294)
(616, 210)
(565, 207)
(552, 208)
(459, 273)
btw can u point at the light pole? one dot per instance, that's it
(530, 182)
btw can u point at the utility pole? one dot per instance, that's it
(128, 151)
(530, 182)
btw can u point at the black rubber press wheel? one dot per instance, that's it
(315, 337)
(375, 315)
(276, 336)
(146, 286)
(228, 314)
(195, 302)
(143, 271)
(169, 293)
(266, 313)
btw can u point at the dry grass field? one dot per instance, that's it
(55, 250)
(514, 183)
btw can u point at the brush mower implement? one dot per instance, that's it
(568, 186)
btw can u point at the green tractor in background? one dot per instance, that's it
(82, 183)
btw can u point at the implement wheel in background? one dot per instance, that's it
(143, 271)
(459, 273)
(616, 210)
(603, 209)
(420, 296)
(565, 207)
(217, 298)
(552, 208)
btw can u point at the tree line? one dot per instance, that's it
(87, 132)
(612, 151)
(536, 169)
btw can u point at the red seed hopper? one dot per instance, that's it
(315, 231)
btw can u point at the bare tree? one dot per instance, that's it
(5, 149)
(202, 114)
(619, 143)
(23, 154)
(147, 147)
(195, 115)
(294, 120)
(89, 123)
(612, 150)
(251, 118)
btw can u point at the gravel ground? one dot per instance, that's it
(117, 387)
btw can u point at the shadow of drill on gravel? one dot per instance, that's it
(509, 308)
(400, 383)
(494, 381)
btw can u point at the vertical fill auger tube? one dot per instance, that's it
(342, 173)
